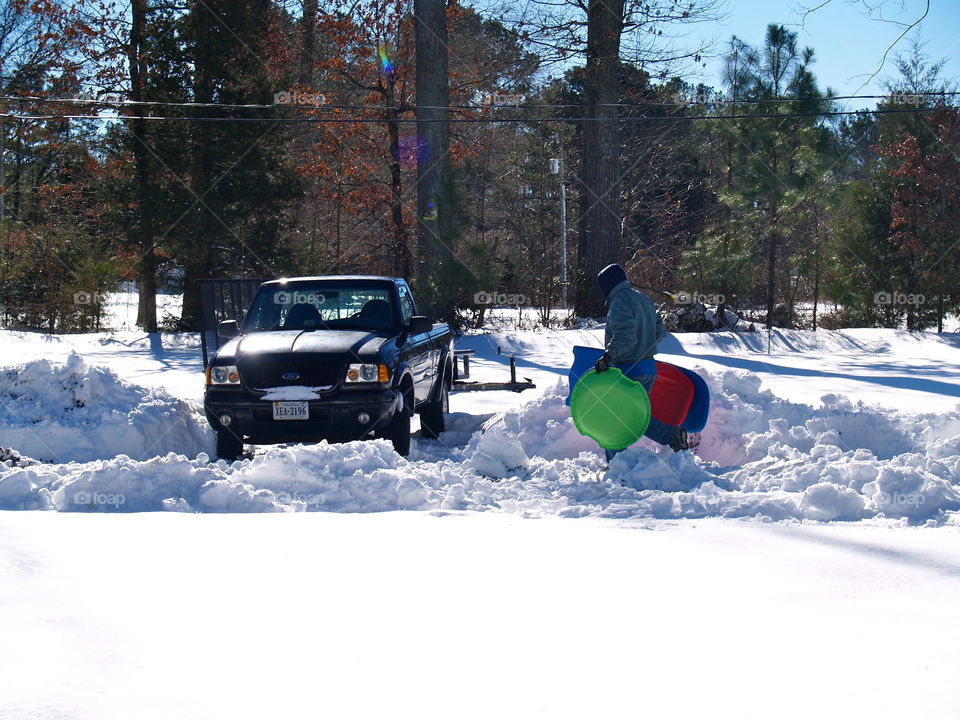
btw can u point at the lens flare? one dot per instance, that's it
(411, 149)
(384, 59)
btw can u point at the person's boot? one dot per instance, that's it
(680, 440)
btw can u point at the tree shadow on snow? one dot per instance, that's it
(902, 383)
(913, 559)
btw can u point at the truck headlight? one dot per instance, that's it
(367, 373)
(223, 375)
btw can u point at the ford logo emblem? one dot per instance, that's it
(291, 376)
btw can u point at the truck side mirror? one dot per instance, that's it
(227, 329)
(420, 324)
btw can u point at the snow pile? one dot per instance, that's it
(497, 453)
(351, 477)
(76, 413)
(848, 460)
(760, 456)
(542, 427)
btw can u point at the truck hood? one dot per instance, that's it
(329, 345)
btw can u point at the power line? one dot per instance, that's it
(690, 101)
(572, 119)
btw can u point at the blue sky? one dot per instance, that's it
(848, 44)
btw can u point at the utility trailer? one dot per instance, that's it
(222, 299)
(461, 383)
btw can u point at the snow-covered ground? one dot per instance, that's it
(120, 308)
(804, 563)
(411, 615)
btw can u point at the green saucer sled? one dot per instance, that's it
(610, 408)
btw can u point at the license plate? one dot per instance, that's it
(291, 411)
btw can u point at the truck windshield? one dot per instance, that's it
(321, 306)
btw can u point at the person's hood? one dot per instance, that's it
(608, 278)
(617, 288)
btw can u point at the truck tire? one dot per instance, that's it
(229, 446)
(432, 415)
(399, 432)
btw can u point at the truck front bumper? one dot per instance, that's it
(337, 417)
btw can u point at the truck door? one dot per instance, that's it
(418, 347)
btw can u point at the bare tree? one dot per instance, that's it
(890, 12)
(604, 32)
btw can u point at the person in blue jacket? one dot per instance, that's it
(630, 341)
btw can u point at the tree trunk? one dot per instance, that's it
(3, 171)
(143, 227)
(18, 172)
(433, 161)
(400, 249)
(600, 241)
(198, 260)
(308, 43)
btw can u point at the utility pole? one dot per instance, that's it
(556, 168)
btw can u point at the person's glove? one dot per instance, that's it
(603, 363)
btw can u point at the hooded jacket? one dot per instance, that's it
(633, 325)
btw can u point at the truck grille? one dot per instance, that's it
(270, 375)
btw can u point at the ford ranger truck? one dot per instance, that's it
(332, 358)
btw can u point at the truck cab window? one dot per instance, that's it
(406, 303)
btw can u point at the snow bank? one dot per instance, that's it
(760, 456)
(76, 413)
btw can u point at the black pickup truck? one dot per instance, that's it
(336, 358)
